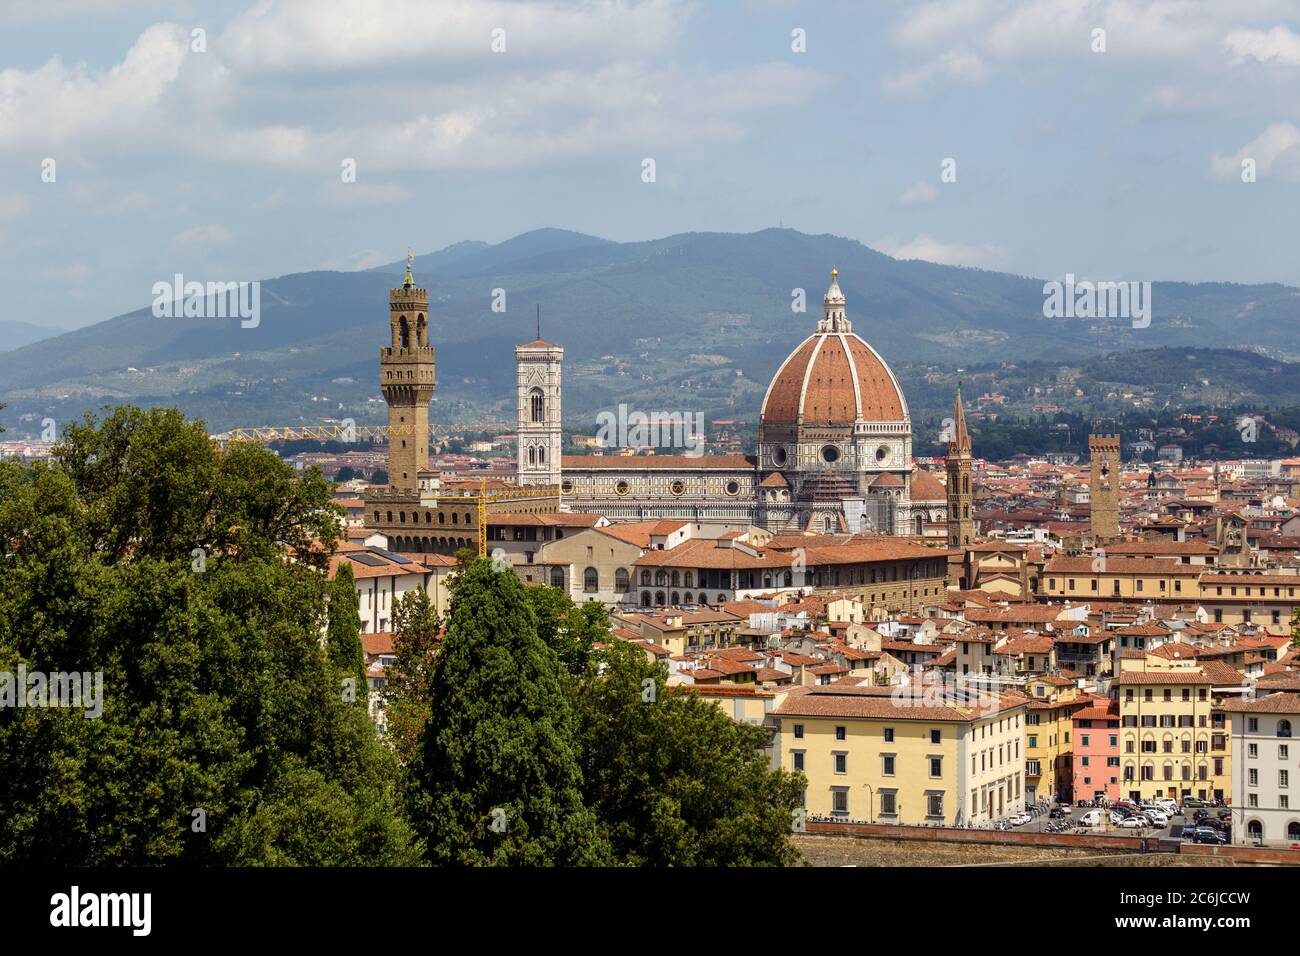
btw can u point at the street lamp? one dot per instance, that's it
(871, 799)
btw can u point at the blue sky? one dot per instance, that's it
(225, 164)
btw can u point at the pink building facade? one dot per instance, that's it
(1096, 751)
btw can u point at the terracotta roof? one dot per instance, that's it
(866, 702)
(1272, 704)
(927, 487)
(1190, 675)
(833, 377)
(774, 480)
(887, 480)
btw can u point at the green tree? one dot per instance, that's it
(409, 685)
(499, 782)
(571, 630)
(221, 737)
(343, 631)
(346, 473)
(674, 780)
(1295, 628)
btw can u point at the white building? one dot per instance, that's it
(1265, 762)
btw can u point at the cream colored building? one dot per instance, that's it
(882, 755)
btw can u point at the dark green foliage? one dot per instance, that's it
(343, 632)
(674, 780)
(499, 742)
(216, 695)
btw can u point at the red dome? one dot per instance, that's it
(834, 378)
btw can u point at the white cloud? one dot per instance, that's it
(54, 104)
(1278, 44)
(971, 40)
(929, 249)
(917, 193)
(307, 36)
(958, 66)
(1278, 147)
(209, 235)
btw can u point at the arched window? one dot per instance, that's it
(1293, 832)
(688, 579)
(661, 578)
(677, 579)
(645, 598)
(645, 576)
(403, 333)
(557, 577)
(537, 402)
(659, 598)
(532, 456)
(541, 456)
(442, 517)
(965, 484)
(1255, 830)
(590, 581)
(677, 599)
(1284, 728)
(621, 580)
(789, 579)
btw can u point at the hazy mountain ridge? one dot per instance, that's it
(699, 319)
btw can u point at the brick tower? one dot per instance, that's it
(961, 524)
(1104, 493)
(406, 377)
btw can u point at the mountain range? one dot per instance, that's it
(696, 321)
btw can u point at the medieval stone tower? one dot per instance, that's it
(406, 377)
(961, 523)
(538, 394)
(1104, 493)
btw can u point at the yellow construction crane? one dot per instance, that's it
(482, 517)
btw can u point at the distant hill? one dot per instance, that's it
(697, 321)
(14, 334)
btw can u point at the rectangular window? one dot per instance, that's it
(936, 766)
(840, 801)
(889, 735)
(934, 736)
(839, 733)
(887, 765)
(934, 803)
(888, 803)
(841, 763)
(798, 731)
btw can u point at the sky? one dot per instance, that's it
(1104, 138)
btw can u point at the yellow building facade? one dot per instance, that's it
(888, 755)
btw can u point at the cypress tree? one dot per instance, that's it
(499, 770)
(343, 632)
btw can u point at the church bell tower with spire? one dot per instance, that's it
(406, 378)
(961, 524)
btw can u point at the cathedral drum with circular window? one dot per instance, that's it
(834, 422)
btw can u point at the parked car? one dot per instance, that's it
(1118, 818)
(1200, 814)
(1134, 822)
(1157, 817)
(1225, 813)
(1203, 835)
(1194, 803)
(1059, 812)
(1020, 819)
(1090, 819)
(1127, 805)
